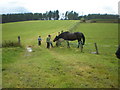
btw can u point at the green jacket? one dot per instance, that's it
(48, 39)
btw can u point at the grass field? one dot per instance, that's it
(60, 67)
(106, 20)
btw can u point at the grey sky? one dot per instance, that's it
(80, 6)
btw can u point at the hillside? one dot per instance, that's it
(60, 67)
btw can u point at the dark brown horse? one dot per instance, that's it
(71, 37)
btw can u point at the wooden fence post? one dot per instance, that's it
(19, 39)
(96, 48)
(81, 46)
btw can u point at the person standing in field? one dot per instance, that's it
(118, 52)
(49, 42)
(58, 41)
(62, 31)
(39, 40)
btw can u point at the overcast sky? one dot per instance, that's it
(80, 6)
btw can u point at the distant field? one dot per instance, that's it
(106, 20)
(60, 67)
(30, 30)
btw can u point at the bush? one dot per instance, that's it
(11, 44)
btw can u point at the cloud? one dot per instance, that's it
(108, 9)
(12, 6)
(85, 6)
(13, 10)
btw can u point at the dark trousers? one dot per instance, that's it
(51, 44)
(48, 44)
(39, 43)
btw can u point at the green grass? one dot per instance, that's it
(60, 67)
(30, 30)
(10, 54)
(106, 20)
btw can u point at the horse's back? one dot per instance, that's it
(78, 34)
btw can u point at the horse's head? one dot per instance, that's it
(56, 38)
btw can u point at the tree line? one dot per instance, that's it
(53, 15)
(101, 16)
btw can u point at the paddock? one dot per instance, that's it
(60, 67)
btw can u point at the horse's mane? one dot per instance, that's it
(65, 32)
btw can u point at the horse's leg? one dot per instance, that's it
(79, 42)
(57, 43)
(68, 44)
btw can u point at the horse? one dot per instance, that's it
(71, 37)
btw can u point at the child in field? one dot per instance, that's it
(58, 41)
(48, 41)
(39, 40)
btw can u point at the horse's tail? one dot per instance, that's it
(83, 37)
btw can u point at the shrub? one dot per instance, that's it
(11, 44)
